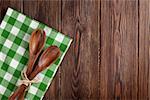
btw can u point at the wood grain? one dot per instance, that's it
(119, 50)
(79, 70)
(109, 57)
(143, 79)
(4, 4)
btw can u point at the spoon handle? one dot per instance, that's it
(32, 60)
(19, 91)
(28, 72)
(21, 95)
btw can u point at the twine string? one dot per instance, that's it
(25, 80)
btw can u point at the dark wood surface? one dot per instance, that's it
(109, 56)
(119, 50)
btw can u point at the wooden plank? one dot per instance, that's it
(79, 70)
(143, 80)
(119, 50)
(47, 12)
(4, 4)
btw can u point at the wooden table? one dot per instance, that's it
(109, 57)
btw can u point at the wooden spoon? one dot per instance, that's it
(46, 59)
(36, 44)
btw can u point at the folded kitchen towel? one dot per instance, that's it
(15, 31)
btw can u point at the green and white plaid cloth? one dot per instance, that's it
(15, 31)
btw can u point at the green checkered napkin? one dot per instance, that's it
(15, 31)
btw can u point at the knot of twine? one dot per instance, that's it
(25, 79)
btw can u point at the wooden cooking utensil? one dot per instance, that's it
(36, 45)
(46, 59)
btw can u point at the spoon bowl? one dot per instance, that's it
(47, 58)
